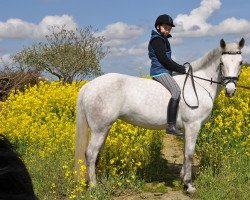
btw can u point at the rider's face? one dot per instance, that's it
(164, 29)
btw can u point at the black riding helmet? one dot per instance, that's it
(164, 19)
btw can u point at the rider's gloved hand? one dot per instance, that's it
(181, 69)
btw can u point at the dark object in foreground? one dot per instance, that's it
(15, 181)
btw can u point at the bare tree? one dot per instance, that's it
(12, 78)
(66, 54)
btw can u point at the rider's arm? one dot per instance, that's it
(159, 48)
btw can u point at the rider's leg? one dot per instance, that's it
(172, 115)
(168, 82)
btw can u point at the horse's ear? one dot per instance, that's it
(241, 43)
(222, 44)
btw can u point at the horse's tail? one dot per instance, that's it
(81, 136)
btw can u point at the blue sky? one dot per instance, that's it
(126, 25)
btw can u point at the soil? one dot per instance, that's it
(171, 188)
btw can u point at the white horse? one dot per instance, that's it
(144, 102)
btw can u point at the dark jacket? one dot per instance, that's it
(159, 51)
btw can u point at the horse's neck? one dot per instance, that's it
(208, 67)
(208, 62)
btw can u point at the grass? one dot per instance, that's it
(108, 189)
(232, 182)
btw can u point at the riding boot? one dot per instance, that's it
(171, 115)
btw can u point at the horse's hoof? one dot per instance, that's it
(191, 190)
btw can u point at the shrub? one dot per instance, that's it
(16, 80)
(40, 121)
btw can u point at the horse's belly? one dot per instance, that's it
(156, 120)
(143, 124)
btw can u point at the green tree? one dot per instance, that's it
(67, 54)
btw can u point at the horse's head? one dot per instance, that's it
(230, 65)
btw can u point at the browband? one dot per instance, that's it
(231, 52)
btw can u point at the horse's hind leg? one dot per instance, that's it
(96, 142)
(191, 132)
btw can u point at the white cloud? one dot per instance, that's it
(49, 21)
(231, 26)
(176, 40)
(5, 59)
(195, 24)
(196, 20)
(121, 33)
(138, 50)
(17, 28)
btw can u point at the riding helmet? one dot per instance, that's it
(164, 19)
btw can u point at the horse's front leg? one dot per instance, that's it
(191, 132)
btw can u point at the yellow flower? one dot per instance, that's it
(119, 184)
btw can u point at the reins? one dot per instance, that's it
(190, 73)
(204, 79)
(243, 87)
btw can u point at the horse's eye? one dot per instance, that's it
(241, 62)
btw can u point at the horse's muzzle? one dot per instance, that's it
(230, 89)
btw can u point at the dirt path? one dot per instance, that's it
(173, 154)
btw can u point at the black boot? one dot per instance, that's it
(172, 114)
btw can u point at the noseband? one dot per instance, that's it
(228, 79)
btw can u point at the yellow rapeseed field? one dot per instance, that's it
(227, 133)
(41, 122)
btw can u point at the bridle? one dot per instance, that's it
(224, 80)
(228, 79)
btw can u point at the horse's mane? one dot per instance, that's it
(206, 59)
(15, 181)
(212, 56)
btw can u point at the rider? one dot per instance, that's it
(162, 67)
